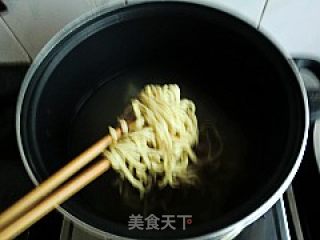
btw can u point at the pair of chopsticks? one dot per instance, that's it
(54, 191)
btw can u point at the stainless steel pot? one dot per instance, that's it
(240, 80)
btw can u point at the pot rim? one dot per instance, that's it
(231, 230)
(316, 142)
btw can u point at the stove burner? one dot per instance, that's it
(271, 226)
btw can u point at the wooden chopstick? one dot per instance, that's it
(58, 197)
(52, 183)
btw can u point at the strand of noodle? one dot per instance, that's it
(157, 148)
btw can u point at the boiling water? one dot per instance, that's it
(220, 179)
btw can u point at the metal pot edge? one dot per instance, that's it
(229, 230)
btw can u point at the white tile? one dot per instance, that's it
(107, 3)
(10, 49)
(34, 22)
(249, 10)
(294, 25)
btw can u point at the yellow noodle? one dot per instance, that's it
(158, 147)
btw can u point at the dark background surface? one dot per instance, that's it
(14, 181)
(2, 6)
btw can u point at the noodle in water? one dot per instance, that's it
(156, 148)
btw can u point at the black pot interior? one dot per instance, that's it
(240, 83)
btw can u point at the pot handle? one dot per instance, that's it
(310, 73)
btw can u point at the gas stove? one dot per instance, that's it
(292, 217)
(271, 226)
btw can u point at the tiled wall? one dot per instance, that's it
(10, 49)
(294, 25)
(29, 24)
(34, 22)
